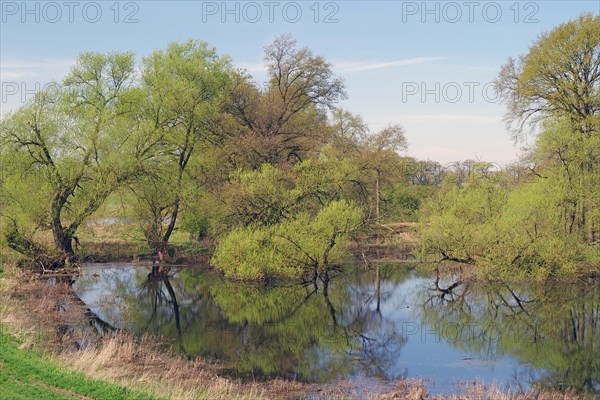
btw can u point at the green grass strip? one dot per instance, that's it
(30, 375)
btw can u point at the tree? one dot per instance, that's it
(568, 159)
(349, 131)
(558, 77)
(303, 245)
(77, 142)
(382, 156)
(459, 223)
(279, 121)
(558, 81)
(185, 86)
(424, 172)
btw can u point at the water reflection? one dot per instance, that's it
(383, 324)
(552, 329)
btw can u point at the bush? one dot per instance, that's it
(405, 200)
(507, 234)
(304, 244)
(459, 223)
(196, 224)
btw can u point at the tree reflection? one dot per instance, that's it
(315, 331)
(312, 331)
(553, 327)
(153, 287)
(353, 324)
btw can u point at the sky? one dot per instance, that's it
(427, 65)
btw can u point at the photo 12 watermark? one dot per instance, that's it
(252, 12)
(453, 12)
(449, 92)
(453, 332)
(54, 12)
(14, 92)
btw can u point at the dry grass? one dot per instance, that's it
(478, 392)
(52, 318)
(481, 392)
(139, 364)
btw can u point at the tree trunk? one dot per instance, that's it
(377, 195)
(62, 238)
(183, 160)
(173, 220)
(378, 289)
(63, 241)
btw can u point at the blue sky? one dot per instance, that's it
(425, 65)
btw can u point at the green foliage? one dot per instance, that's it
(508, 234)
(557, 77)
(548, 224)
(263, 196)
(185, 86)
(73, 144)
(270, 194)
(529, 234)
(303, 244)
(247, 253)
(189, 135)
(403, 201)
(196, 223)
(456, 223)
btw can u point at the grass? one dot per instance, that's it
(27, 374)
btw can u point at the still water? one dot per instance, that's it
(362, 325)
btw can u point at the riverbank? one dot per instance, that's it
(46, 316)
(27, 375)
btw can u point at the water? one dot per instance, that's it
(406, 326)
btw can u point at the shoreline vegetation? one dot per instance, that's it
(182, 158)
(278, 179)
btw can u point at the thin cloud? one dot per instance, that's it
(353, 66)
(45, 68)
(370, 66)
(253, 67)
(7, 74)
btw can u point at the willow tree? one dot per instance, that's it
(66, 150)
(184, 87)
(559, 80)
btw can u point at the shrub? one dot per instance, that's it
(196, 224)
(304, 244)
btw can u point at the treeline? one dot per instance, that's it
(541, 218)
(281, 176)
(275, 171)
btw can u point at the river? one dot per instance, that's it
(367, 326)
